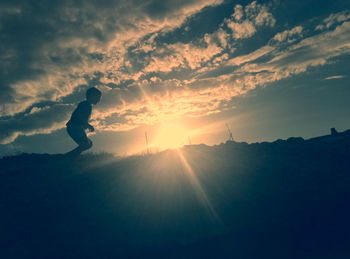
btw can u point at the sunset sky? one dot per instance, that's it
(179, 70)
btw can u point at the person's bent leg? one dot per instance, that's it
(78, 134)
(81, 148)
(86, 145)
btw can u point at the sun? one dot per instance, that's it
(172, 135)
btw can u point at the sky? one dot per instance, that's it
(180, 70)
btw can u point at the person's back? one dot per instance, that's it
(79, 121)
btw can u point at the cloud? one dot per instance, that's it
(218, 38)
(289, 35)
(179, 56)
(195, 55)
(250, 57)
(160, 101)
(242, 30)
(314, 50)
(259, 14)
(244, 21)
(334, 77)
(182, 55)
(156, 100)
(164, 64)
(57, 37)
(334, 19)
(39, 120)
(238, 12)
(278, 64)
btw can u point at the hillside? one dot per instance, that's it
(285, 199)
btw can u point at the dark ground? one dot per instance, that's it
(286, 199)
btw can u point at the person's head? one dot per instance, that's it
(93, 95)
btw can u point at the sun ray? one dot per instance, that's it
(200, 192)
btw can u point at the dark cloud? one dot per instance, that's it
(38, 35)
(39, 120)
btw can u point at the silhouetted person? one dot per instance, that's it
(79, 121)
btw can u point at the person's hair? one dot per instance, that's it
(93, 92)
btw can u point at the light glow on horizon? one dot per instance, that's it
(171, 135)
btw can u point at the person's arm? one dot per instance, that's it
(90, 127)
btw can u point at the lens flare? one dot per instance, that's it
(200, 192)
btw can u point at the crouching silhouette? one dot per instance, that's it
(79, 122)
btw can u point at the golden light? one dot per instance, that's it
(172, 135)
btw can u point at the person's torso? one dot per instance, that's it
(81, 114)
